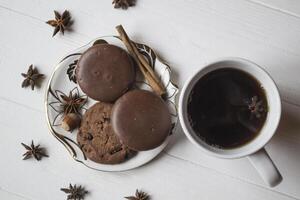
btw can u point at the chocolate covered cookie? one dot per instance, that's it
(141, 120)
(97, 138)
(105, 72)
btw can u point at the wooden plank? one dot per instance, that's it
(207, 30)
(290, 7)
(11, 196)
(164, 178)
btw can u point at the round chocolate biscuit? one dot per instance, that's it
(97, 138)
(141, 120)
(104, 72)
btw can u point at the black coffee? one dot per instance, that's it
(227, 108)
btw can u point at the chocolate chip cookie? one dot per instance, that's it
(97, 138)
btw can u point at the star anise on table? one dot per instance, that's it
(256, 107)
(61, 22)
(34, 151)
(124, 4)
(139, 195)
(31, 77)
(74, 192)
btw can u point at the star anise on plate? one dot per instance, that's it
(124, 4)
(139, 195)
(65, 104)
(61, 22)
(75, 192)
(256, 107)
(72, 103)
(31, 77)
(34, 151)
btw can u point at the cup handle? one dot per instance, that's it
(262, 162)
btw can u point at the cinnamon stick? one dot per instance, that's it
(143, 65)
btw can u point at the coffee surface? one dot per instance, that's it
(227, 108)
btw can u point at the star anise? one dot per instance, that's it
(31, 77)
(124, 4)
(65, 104)
(61, 22)
(139, 195)
(74, 192)
(72, 103)
(256, 107)
(34, 151)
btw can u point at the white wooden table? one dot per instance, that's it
(187, 34)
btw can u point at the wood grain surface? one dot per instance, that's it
(187, 34)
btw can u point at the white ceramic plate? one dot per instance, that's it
(63, 81)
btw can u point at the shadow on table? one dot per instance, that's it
(289, 126)
(178, 138)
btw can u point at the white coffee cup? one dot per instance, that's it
(254, 149)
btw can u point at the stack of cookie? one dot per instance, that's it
(124, 120)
